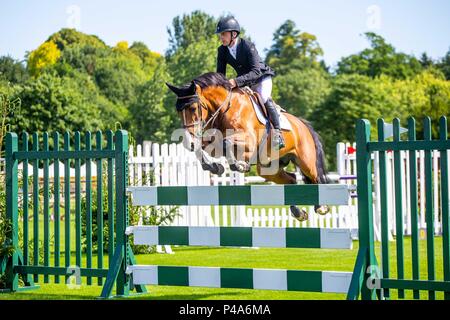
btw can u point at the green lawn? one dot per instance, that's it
(303, 259)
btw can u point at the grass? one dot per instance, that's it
(302, 259)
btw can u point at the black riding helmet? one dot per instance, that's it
(228, 24)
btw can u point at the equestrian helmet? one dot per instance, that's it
(228, 24)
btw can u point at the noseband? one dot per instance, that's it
(204, 123)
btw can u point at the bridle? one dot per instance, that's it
(204, 123)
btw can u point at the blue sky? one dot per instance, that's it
(411, 26)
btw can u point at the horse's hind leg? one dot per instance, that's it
(284, 177)
(307, 165)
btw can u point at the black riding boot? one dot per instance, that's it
(275, 120)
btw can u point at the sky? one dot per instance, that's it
(411, 26)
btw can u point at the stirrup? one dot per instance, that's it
(279, 141)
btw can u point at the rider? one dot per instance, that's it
(242, 55)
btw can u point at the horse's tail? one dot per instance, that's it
(320, 155)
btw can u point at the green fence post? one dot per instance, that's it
(12, 278)
(121, 160)
(365, 209)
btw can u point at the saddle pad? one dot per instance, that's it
(284, 122)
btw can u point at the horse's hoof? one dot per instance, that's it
(322, 210)
(240, 166)
(218, 169)
(300, 215)
(206, 167)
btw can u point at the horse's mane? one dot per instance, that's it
(212, 79)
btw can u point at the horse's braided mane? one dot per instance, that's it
(212, 79)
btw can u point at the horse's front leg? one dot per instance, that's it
(238, 149)
(209, 163)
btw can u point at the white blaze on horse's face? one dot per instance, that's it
(192, 121)
(188, 141)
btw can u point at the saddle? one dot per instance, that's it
(261, 112)
(257, 99)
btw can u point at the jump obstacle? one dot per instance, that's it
(122, 270)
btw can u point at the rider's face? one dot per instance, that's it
(225, 38)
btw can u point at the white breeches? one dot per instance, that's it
(264, 88)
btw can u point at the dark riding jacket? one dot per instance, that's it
(248, 64)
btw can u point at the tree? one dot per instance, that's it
(352, 97)
(82, 58)
(53, 103)
(118, 75)
(426, 61)
(196, 59)
(12, 70)
(68, 37)
(301, 92)
(188, 29)
(293, 49)
(381, 58)
(444, 65)
(151, 118)
(150, 60)
(46, 55)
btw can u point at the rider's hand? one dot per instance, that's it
(233, 83)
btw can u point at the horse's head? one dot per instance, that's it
(200, 103)
(192, 110)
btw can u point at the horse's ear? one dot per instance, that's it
(192, 89)
(197, 89)
(174, 89)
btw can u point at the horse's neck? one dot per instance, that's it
(238, 112)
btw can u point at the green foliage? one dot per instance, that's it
(90, 85)
(153, 117)
(356, 96)
(6, 248)
(381, 58)
(54, 103)
(118, 75)
(67, 37)
(7, 108)
(444, 65)
(43, 57)
(352, 97)
(80, 83)
(12, 71)
(150, 60)
(196, 59)
(188, 29)
(293, 49)
(82, 58)
(301, 92)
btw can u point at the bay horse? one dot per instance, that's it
(209, 103)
